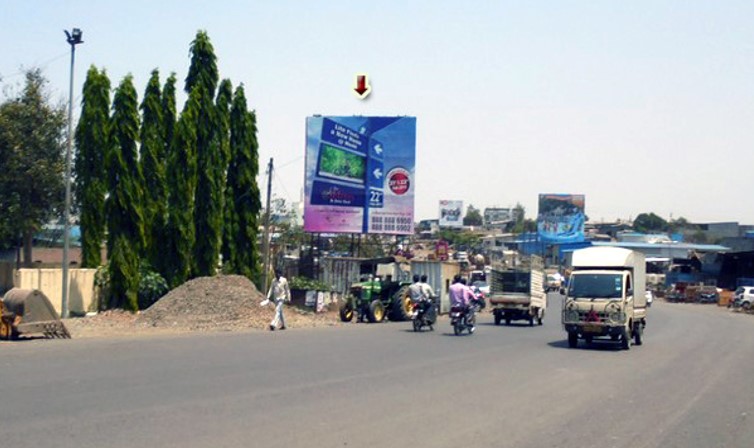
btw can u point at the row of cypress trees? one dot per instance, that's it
(173, 190)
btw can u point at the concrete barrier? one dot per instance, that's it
(81, 295)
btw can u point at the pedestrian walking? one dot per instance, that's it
(280, 292)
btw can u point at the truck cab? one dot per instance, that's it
(606, 296)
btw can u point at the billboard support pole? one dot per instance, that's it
(266, 248)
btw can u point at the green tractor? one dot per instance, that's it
(377, 295)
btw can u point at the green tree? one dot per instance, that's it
(169, 118)
(32, 160)
(244, 203)
(473, 217)
(208, 218)
(649, 222)
(181, 186)
(89, 169)
(153, 167)
(124, 203)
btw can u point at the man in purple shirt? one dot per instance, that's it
(459, 293)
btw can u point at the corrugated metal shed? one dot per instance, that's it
(439, 276)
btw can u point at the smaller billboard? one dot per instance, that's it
(451, 213)
(561, 218)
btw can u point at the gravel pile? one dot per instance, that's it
(220, 303)
(207, 303)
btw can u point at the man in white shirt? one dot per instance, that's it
(281, 293)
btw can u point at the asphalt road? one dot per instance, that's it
(690, 385)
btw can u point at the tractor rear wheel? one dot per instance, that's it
(400, 306)
(346, 312)
(376, 311)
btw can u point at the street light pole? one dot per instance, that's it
(74, 38)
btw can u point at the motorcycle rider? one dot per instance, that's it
(415, 290)
(428, 295)
(461, 295)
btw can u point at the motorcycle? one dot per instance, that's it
(424, 314)
(464, 317)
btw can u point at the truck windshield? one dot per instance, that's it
(596, 286)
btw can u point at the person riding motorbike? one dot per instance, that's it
(462, 296)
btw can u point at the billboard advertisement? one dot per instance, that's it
(359, 175)
(451, 213)
(561, 218)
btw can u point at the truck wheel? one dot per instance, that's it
(625, 340)
(346, 312)
(376, 311)
(638, 334)
(497, 318)
(573, 339)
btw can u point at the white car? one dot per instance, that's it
(743, 297)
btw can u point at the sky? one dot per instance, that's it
(641, 106)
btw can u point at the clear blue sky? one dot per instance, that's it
(643, 105)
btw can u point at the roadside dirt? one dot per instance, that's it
(206, 304)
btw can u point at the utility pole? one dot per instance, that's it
(266, 247)
(73, 38)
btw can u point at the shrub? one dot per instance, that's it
(152, 285)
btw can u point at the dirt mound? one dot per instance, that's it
(223, 302)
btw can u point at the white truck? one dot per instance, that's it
(606, 296)
(518, 294)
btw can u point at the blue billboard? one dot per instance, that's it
(359, 175)
(561, 218)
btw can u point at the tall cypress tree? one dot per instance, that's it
(203, 78)
(124, 203)
(169, 115)
(224, 100)
(243, 189)
(153, 167)
(91, 183)
(181, 186)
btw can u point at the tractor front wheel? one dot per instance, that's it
(376, 312)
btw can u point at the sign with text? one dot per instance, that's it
(561, 218)
(359, 175)
(450, 213)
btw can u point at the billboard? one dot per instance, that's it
(450, 213)
(359, 175)
(561, 218)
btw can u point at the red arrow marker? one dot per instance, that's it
(362, 88)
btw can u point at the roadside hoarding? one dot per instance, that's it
(359, 175)
(450, 213)
(561, 218)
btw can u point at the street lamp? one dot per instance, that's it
(74, 38)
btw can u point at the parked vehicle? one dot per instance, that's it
(707, 294)
(743, 297)
(518, 294)
(424, 314)
(606, 296)
(376, 296)
(650, 297)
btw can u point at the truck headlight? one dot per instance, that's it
(572, 316)
(617, 317)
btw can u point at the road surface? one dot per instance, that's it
(381, 385)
